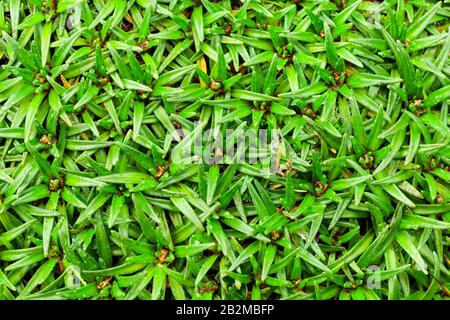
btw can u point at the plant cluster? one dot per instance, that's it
(95, 96)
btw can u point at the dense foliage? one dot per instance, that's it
(98, 97)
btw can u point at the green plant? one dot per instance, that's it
(348, 200)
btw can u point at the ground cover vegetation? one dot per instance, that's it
(350, 201)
